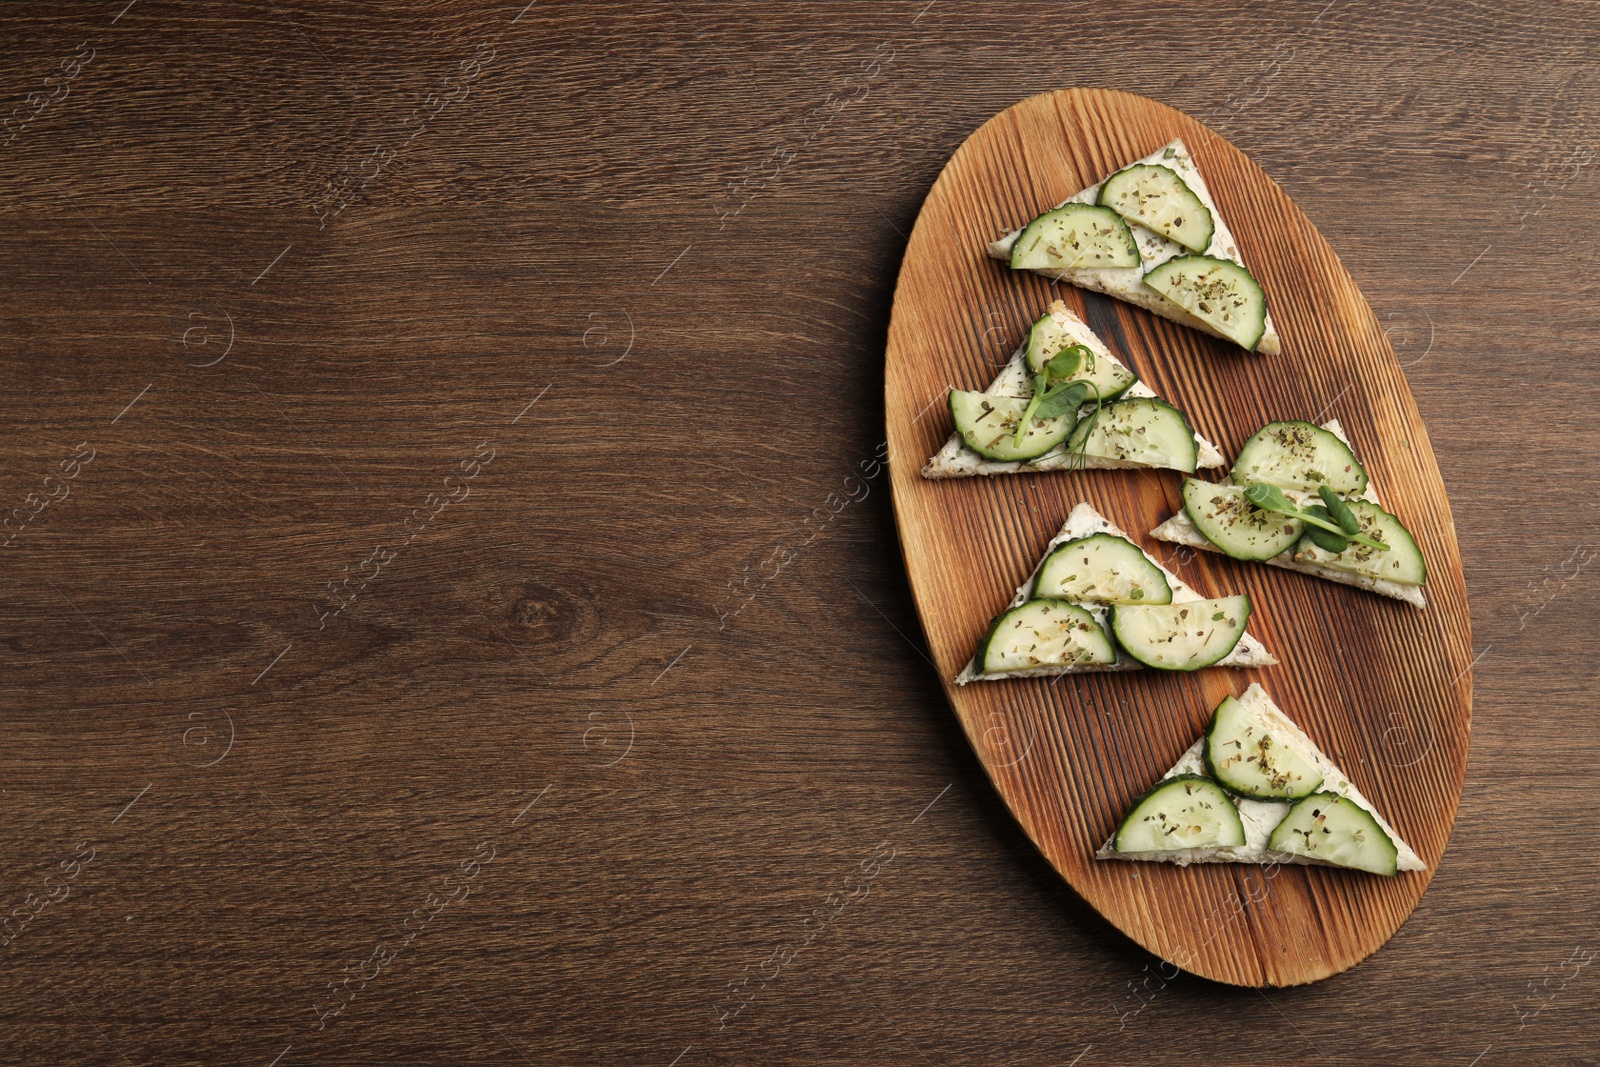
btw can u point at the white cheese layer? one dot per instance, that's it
(1181, 531)
(956, 460)
(1260, 817)
(1127, 283)
(1085, 521)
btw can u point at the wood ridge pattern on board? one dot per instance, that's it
(1384, 689)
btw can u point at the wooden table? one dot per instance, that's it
(452, 611)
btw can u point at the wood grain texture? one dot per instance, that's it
(690, 500)
(1369, 679)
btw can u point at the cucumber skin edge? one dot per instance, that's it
(982, 653)
(1182, 670)
(1335, 798)
(1366, 479)
(1011, 261)
(1243, 559)
(1194, 444)
(1211, 768)
(1162, 784)
(956, 425)
(1159, 573)
(1237, 266)
(1422, 560)
(1211, 217)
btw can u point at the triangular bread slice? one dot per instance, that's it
(1085, 521)
(1180, 530)
(1127, 283)
(956, 460)
(1260, 817)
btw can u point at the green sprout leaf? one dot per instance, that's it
(1094, 419)
(1067, 361)
(1027, 412)
(1271, 498)
(1061, 399)
(1339, 510)
(1328, 542)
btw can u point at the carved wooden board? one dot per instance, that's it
(1383, 688)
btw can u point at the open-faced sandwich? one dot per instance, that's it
(1150, 234)
(1298, 498)
(1255, 789)
(1098, 602)
(1065, 402)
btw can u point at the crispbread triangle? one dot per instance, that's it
(1181, 531)
(1261, 816)
(1127, 283)
(956, 460)
(1085, 521)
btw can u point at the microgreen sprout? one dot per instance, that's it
(1339, 510)
(1271, 498)
(1052, 401)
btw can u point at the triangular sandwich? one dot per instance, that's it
(1098, 602)
(1150, 234)
(1318, 477)
(1121, 423)
(1255, 789)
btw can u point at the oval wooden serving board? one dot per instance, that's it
(1383, 688)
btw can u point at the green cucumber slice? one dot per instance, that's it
(1249, 761)
(1141, 430)
(1104, 569)
(1046, 340)
(1336, 830)
(1226, 518)
(1402, 563)
(1298, 455)
(988, 424)
(1157, 199)
(1075, 236)
(1184, 811)
(1219, 293)
(1043, 633)
(1181, 637)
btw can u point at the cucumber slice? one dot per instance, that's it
(988, 424)
(1298, 455)
(1157, 199)
(1336, 830)
(1142, 430)
(1075, 235)
(1181, 637)
(1237, 527)
(1046, 340)
(1247, 760)
(1184, 811)
(1219, 293)
(1044, 633)
(1104, 569)
(1402, 563)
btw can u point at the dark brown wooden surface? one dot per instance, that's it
(1383, 688)
(576, 197)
